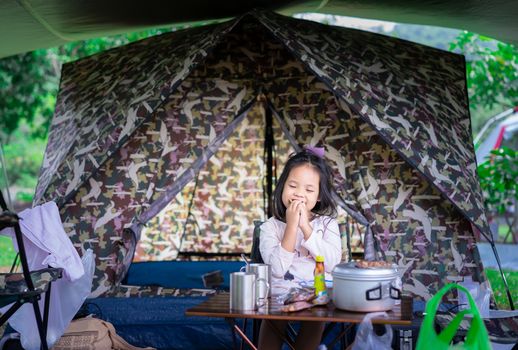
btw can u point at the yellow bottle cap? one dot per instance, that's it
(319, 258)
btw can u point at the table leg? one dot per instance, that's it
(291, 335)
(243, 336)
(256, 327)
(340, 336)
(244, 327)
(234, 341)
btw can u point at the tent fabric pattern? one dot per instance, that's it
(126, 93)
(430, 249)
(229, 180)
(412, 95)
(419, 223)
(141, 171)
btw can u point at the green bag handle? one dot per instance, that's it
(476, 338)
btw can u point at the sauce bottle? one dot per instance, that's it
(320, 277)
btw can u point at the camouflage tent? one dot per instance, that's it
(182, 118)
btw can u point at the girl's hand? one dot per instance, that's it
(292, 223)
(293, 214)
(304, 224)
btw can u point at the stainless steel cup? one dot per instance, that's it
(263, 271)
(244, 291)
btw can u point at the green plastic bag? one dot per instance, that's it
(476, 338)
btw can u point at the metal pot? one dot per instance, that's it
(364, 289)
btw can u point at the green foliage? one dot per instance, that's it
(28, 85)
(24, 158)
(492, 74)
(80, 49)
(498, 180)
(25, 196)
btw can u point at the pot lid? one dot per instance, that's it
(350, 270)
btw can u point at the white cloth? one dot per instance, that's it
(324, 240)
(46, 243)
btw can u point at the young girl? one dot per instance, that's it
(302, 228)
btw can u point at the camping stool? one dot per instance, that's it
(27, 286)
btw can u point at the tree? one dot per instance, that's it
(492, 74)
(28, 86)
(498, 181)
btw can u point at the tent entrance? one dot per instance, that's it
(213, 215)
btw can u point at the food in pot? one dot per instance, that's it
(363, 264)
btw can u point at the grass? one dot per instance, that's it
(503, 231)
(7, 253)
(498, 287)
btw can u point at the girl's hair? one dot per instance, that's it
(326, 205)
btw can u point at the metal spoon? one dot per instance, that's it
(243, 257)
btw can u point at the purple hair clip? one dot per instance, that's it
(318, 151)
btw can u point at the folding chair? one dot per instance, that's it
(27, 286)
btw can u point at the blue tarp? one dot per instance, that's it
(161, 323)
(178, 274)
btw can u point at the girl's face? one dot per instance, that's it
(302, 184)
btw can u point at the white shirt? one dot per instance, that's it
(299, 265)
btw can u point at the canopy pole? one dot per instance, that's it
(497, 257)
(189, 212)
(495, 252)
(268, 152)
(3, 202)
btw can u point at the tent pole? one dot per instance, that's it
(3, 165)
(268, 150)
(191, 202)
(495, 252)
(497, 257)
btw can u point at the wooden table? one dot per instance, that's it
(218, 306)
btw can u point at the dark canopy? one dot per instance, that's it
(32, 24)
